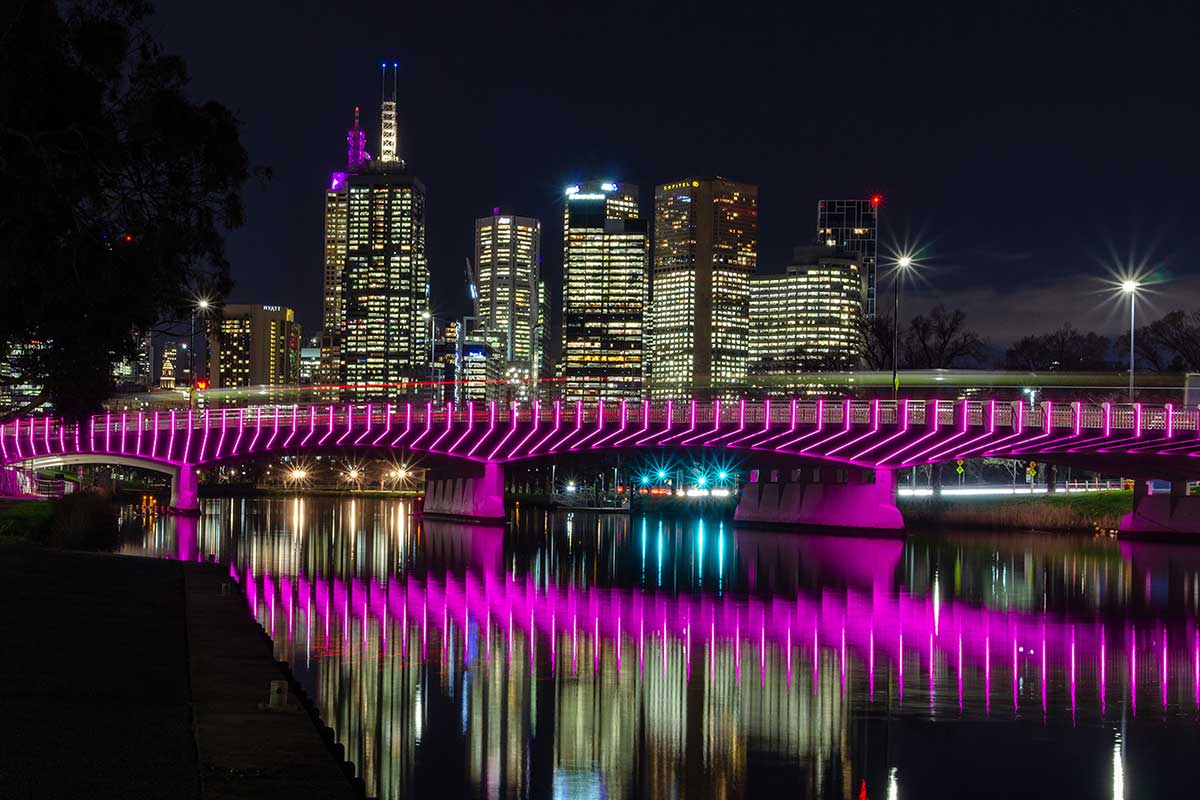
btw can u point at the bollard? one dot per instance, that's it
(279, 695)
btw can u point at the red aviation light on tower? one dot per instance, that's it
(876, 199)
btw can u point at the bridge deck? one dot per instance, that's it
(875, 434)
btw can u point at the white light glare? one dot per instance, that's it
(1129, 286)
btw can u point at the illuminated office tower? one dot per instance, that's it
(254, 345)
(507, 255)
(337, 202)
(383, 287)
(853, 226)
(705, 250)
(168, 366)
(540, 367)
(605, 255)
(807, 318)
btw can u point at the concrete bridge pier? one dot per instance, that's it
(476, 499)
(824, 497)
(185, 490)
(1169, 516)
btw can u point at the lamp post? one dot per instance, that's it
(1130, 287)
(902, 265)
(202, 305)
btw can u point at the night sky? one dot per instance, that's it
(1031, 149)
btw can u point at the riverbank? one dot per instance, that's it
(136, 677)
(1052, 512)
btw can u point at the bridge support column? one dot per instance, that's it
(848, 498)
(1166, 517)
(185, 490)
(478, 499)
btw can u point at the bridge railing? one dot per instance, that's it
(133, 432)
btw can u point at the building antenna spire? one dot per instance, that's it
(356, 145)
(387, 130)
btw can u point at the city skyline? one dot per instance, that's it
(961, 180)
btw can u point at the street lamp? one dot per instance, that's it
(201, 305)
(903, 264)
(1130, 287)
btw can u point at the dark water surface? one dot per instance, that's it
(584, 656)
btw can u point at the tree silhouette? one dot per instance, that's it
(117, 192)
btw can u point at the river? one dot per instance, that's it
(607, 656)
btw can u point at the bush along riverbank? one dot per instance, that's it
(1090, 512)
(77, 521)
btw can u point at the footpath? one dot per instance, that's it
(135, 677)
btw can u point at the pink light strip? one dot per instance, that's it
(691, 426)
(187, 441)
(221, 438)
(237, 442)
(820, 412)
(535, 420)
(902, 422)
(932, 422)
(765, 428)
(741, 425)
(599, 425)
(367, 429)
(321, 442)
(312, 426)
(964, 418)
(846, 422)
(428, 425)
(295, 426)
(387, 425)
(108, 433)
(666, 429)
(204, 436)
(153, 436)
(349, 424)
(490, 430)
(515, 416)
(791, 427)
(645, 425)
(874, 430)
(989, 426)
(171, 439)
(716, 423)
(257, 428)
(449, 425)
(407, 425)
(470, 426)
(624, 423)
(124, 431)
(574, 431)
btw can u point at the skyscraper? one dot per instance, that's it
(807, 318)
(507, 256)
(254, 345)
(853, 226)
(705, 250)
(376, 276)
(605, 259)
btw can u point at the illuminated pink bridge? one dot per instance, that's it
(852, 446)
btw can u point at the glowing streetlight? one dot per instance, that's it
(201, 306)
(1130, 287)
(903, 264)
(298, 474)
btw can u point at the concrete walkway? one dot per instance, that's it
(132, 677)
